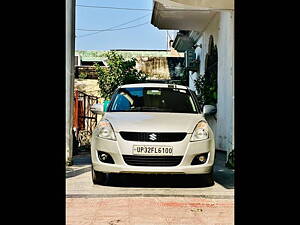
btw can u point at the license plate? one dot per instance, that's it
(152, 150)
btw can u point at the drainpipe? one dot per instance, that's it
(70, 60)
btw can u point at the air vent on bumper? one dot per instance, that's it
(152, 137)
(134, 160)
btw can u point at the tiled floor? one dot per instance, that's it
(150, 210)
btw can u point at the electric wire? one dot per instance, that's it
(138, 25)
(106, 7)
(119, 24)
(111, 28)
(141, 9)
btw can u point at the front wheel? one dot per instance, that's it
(99, 177)
(206, 180)
(209, 179)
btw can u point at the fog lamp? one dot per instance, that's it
(202, 158)
(103, 157)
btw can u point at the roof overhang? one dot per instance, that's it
(208, 4)
(170, 15)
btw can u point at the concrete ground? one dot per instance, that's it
(149, 199)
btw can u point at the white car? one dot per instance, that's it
(152, 128)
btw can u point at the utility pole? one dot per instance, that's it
(69, 76)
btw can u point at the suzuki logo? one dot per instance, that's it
(152, 137)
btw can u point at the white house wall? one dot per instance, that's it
(221, 28)
(225, 115)
(212, 29)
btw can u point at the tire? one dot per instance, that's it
(209, 179)
(99, 177)
(205, 180)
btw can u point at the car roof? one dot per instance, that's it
(159, 85)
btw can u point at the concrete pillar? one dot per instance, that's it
(69, 76)
(225, 116)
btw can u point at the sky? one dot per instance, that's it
(141, 37)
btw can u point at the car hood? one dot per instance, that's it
(153, 121)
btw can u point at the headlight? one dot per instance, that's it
(200, 131)
(105, 130)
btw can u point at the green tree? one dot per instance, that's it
(118, 72)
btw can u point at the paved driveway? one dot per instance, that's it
(79, 183)
(149, 199)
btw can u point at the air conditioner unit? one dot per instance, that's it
(191, 62)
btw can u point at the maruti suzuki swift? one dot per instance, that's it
(152, 128)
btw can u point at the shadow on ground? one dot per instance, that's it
(157, 181)
(223, 175)
(81, 164)
(82, 159)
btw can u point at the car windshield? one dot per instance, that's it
(153, 100)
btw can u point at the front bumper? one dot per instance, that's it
(183, 148)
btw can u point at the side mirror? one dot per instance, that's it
(209, 110)
(97, 108)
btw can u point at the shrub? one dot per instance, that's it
(118, 72)
(206, 86)
(82, 75)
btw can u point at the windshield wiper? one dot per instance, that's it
(146, 109)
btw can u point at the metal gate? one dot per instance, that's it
(84, 120)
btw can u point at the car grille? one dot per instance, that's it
(134, 160)
(152, 137)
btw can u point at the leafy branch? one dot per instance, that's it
(118, 72)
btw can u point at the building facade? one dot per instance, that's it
(207, 29)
